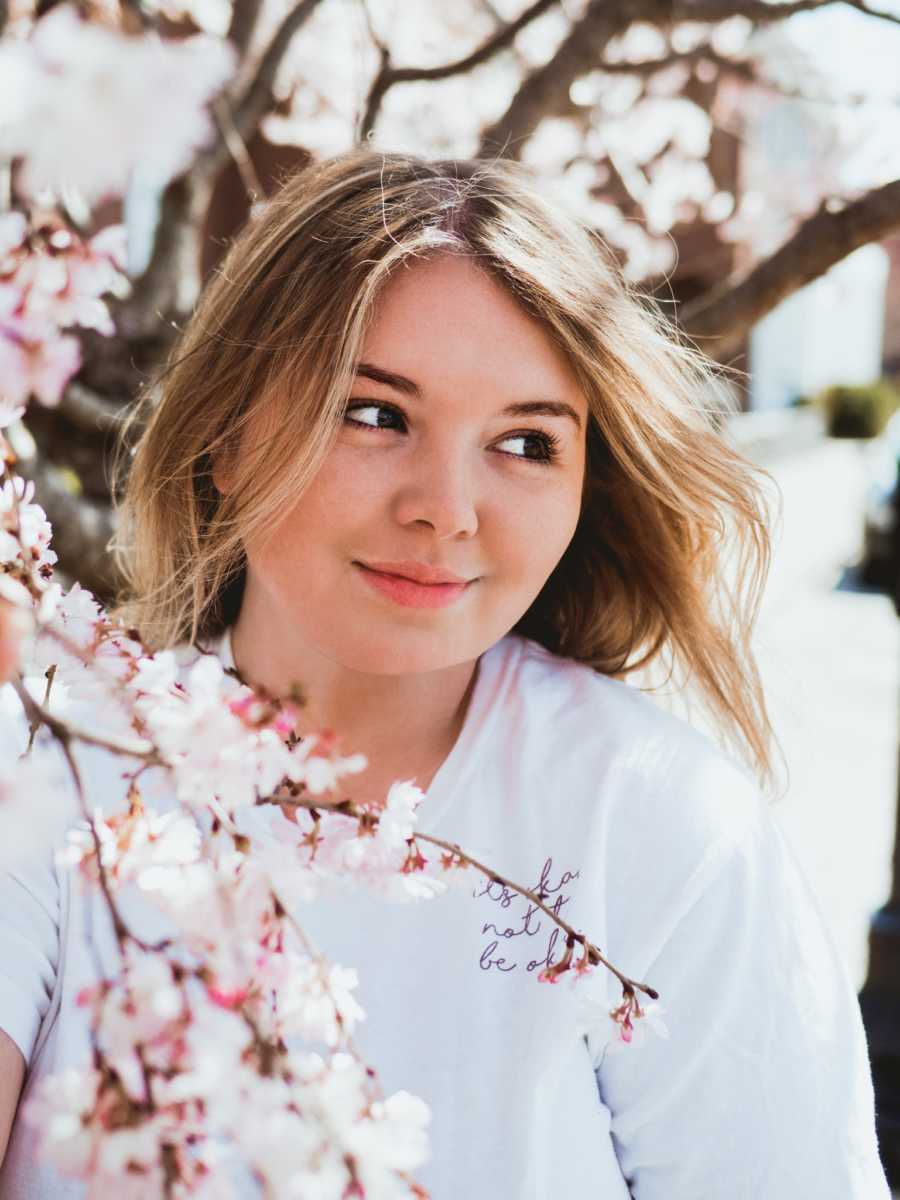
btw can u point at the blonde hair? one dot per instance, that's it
(277, 334)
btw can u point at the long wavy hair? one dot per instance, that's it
(668, 563)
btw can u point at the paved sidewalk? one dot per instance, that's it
(830, 659)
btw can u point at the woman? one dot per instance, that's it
(421, 453)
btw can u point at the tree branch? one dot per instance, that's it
(591, 952)
(237, 148)
(389, 75)
(244, 15)
(257, 99)
(894, 18)
(170, 285)
(67, 731)
(725, 315)
(545, 93)
(369, 820)
(171, 282)
(745, 69)
(88, 412)
(762, 12)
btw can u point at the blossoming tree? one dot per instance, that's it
(118, 124)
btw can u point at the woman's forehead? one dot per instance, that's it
(448, 320)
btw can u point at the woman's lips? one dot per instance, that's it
(411, 594)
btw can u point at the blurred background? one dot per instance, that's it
(742, 160)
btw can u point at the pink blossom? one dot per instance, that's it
(15, 625)
(631, 1022)
(9, 412)
(49, 279)
(24, 534)
(52, 275)
(396, 1138)
(313, 1001)
(13, 228)
(35, 360)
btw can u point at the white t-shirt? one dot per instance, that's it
(661, 849)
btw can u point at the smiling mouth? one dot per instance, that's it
(408, 592)
(417, 572)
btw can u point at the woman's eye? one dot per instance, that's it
(547, 444)
(369, 407)
(384, 417)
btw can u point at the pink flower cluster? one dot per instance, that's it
(234, 993)
(632, 1021)
(26, 559)
(144, 100)
(50, 279)
(222, 1047)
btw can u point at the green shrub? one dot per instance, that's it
(860, 411)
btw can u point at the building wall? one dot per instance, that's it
(830, 332)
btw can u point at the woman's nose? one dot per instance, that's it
(437, 488)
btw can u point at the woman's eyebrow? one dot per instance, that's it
(399, 382)
(521, 408)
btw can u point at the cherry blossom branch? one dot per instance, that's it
(389, 75)
(722, 317)
(87, 411)
(244, 15)
(593, 954)
(370, 820)
(546, 91)
(35, 724)
(256, 98)
(66, 732)
(272, 1053)
(237, 148)
(747, 70)
(120, 929)
(322, 962)
(82, 528)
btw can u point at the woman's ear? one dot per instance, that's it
(222, 472)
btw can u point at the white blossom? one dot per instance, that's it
(92, 105)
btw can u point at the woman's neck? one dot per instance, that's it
(405, 725)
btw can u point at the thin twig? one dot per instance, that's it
(348, 809)
(594, 955)
(65, 735)
(388, 75)
(237, 148)
(35, 725)
(68, 731)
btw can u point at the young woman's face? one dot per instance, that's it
(433, 467)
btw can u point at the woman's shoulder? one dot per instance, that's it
(601, 714)
(646, 766)
(660, 808)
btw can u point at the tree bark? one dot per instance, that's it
(389, 75)
(545, 93)
(719, 320)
